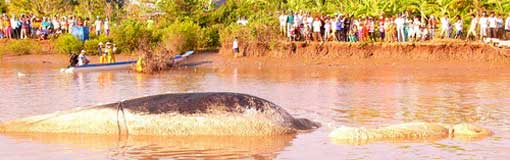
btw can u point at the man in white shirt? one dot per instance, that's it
(333, 26)
(56, 23)
(371, 29)
(445, 26)
(327, 30)
(235, 47)
(472, 27)
(500, 27)
(399, 22)
(106, 27)
(416, 27)
(83, 59)
(507, 27)
(97, 25)
(492, 25)
(483, 25)
(283, 23)
(72, 22)
(316, 27)
(309, 20)
(298, 19)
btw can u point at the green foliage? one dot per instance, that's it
(89, 8)
(176, 9)
(389, 7)
(259, 31)
(91, 45)
(130, 34)
(183, 35)
(191, 24)
(3, 7)
(20, 47)
(67, 44)
(209, 37)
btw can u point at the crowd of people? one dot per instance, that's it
(31, 26)
(399, 28)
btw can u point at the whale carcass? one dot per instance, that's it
(170, 114)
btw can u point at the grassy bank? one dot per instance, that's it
(25, 47)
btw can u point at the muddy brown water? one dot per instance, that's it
(334, 96)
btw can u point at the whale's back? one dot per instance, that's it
(195, 103)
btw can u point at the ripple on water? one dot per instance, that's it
(334, 97)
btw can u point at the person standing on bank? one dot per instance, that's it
(235, 47)
(97, 25)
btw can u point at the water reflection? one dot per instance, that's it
(357, 97)
(155, 147)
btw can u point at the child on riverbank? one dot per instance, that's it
(353, 34)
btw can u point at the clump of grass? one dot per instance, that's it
(159, 58)
(67, 43)
(20, 47)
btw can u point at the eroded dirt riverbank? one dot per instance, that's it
(341, 53)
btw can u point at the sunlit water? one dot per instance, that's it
(332, 96)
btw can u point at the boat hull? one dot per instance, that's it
(100, 67)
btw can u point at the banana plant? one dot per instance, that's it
(423, 7)
(500, 6)
(444, 7)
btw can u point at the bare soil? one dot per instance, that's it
(332, 53)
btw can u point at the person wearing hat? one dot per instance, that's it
(101, 53)
(83, 59)
(109, 52)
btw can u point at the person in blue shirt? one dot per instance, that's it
(340, 34)
(290, 21)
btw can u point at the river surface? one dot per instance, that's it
(332, 96)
